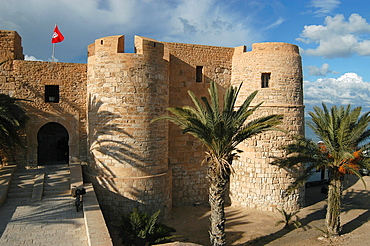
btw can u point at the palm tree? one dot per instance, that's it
(12, 119)
(343, 135)
(220, 130)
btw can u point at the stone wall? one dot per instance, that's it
(28, 80)
(190, 184)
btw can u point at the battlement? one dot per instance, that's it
(116, 44)
(275, 46)
(108, 45)
(10, 46)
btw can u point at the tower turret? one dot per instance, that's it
(128, 153)
(275, 70)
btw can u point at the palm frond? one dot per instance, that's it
(12, 119)
(221, 129)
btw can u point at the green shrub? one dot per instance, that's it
(288, 219)
(140, 229)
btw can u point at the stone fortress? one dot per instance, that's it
(98, 114)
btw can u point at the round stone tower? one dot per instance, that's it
(128, 155)
(275, 70)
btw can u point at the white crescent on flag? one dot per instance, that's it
(57, 36)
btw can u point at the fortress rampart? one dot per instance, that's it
(104, 108)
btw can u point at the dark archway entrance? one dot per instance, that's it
(53, 148)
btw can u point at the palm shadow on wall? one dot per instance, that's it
(102, 140)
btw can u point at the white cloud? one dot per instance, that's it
(81, 22)
(324, 7)
(338, 37)
(31, 58)
(207, 22)
(277, 23)
(347, 89)
(319, 71)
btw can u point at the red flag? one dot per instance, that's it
(57, 36)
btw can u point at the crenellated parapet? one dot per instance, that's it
(107, 46)
(281, 65)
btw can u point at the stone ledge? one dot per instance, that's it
(6, 174)
(97, 231)
(76, 180)
(38, 187)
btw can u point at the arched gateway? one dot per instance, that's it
(53, 148)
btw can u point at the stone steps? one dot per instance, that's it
(57, 182)
(21, 184)
(45, 181)
(6, 174)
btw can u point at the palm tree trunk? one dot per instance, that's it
(217, 202)
(332, 221)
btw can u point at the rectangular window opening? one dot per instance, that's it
(52, 93)
(199, 74)
(265, 78)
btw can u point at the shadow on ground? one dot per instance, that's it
(251, 227)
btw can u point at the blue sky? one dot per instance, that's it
(333, 35)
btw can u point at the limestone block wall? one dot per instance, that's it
(27, 81)
(128, 154)
(190, 184)
(258, 184)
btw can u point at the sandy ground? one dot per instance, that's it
(250, 227)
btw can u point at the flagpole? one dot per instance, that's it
(52, 54)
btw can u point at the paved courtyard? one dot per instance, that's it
(54, 221)
(50, 220)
